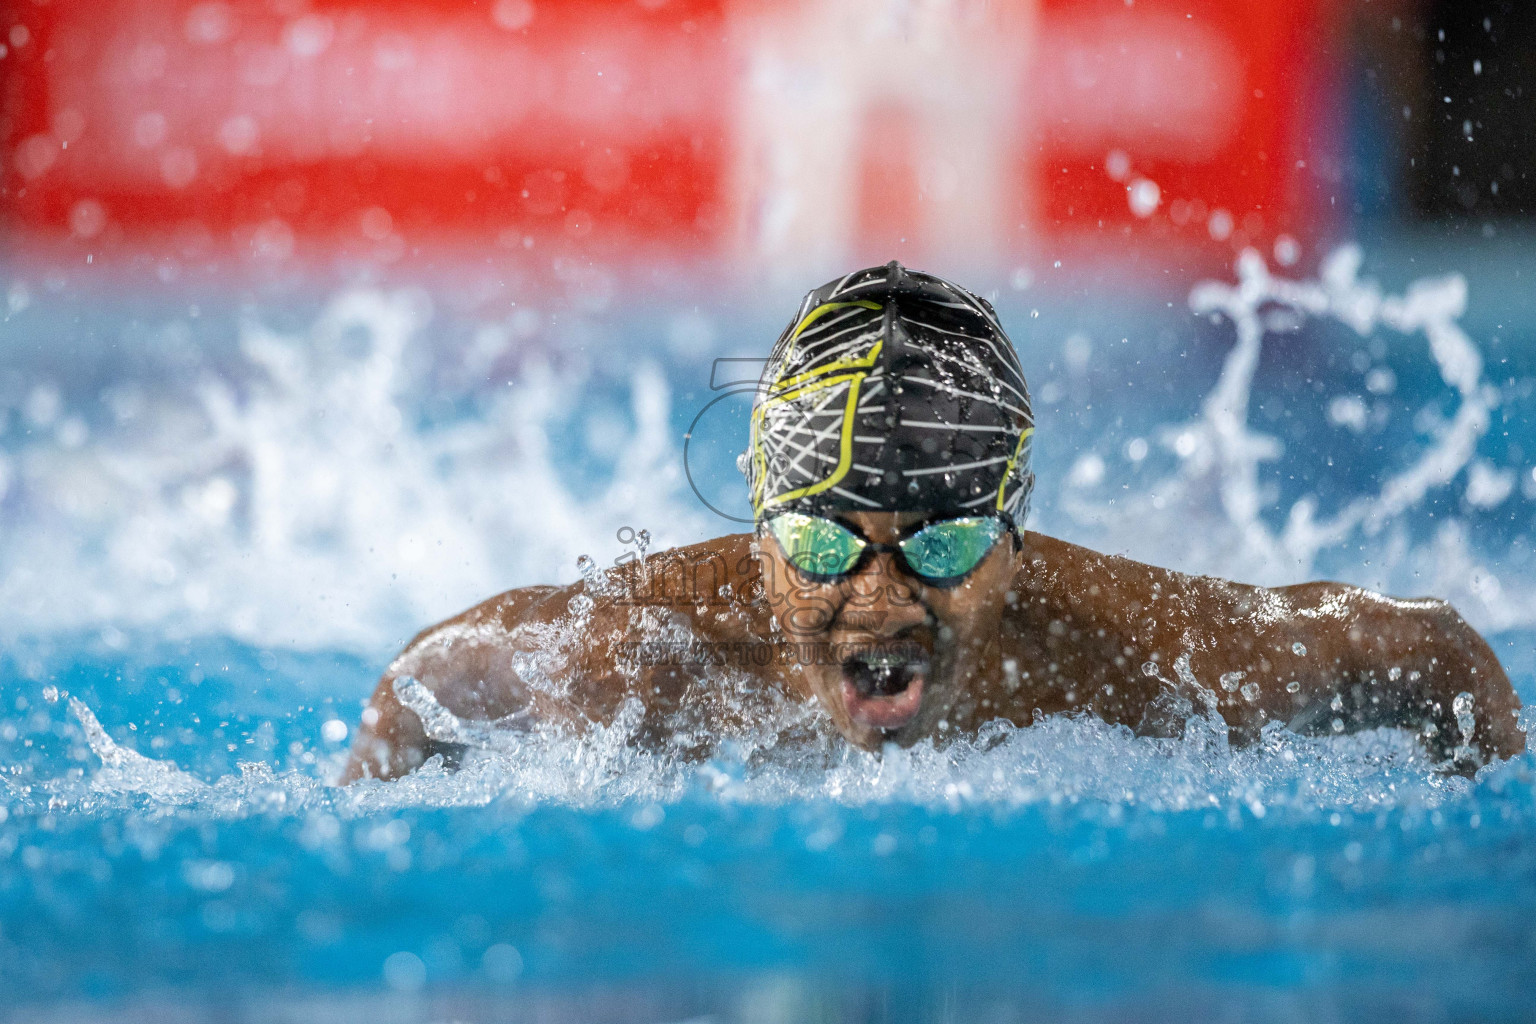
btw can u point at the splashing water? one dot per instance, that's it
(1466, 723)
(127, 771)
(1078, 761)
(279, 513)
(1180, 844)
(308, 506)
(1220, 456)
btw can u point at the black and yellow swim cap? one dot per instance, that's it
(892, 391)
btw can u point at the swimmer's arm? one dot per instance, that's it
(463, 662)
(390, 741)
(1403, 663)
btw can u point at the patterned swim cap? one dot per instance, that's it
(891, 390)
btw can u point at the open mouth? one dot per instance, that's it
(883, 686)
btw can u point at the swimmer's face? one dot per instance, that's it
(891, 658)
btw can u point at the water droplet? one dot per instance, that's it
(1337, 704)
(404, 972)
(1117, 164)
(1144, 196)
(1395, 673)
(503, 963)
(1293, 686)
(51, 694)
(1465, 721)
(1250, 692)
(1230, 680)
(591, 575)
(1338, 725)
(642, 544)
(1299, 649)
(1149, 668)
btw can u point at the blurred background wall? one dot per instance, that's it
(321, 319)
(784, 138)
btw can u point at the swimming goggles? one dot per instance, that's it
(940, 553)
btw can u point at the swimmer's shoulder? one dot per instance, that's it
(722, 571)
(1061, 571)
(714, 587)
(723, 567)
(713, 583)
(1052, 564)
(485, 621)
(1118, 585)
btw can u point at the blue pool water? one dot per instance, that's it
(205, 568)
(1070, 870)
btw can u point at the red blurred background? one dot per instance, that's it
(752, 132)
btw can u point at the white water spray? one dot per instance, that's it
(1207, 516)
(309, 509)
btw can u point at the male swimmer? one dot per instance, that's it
(890, 581)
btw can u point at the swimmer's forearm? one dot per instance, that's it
(461, 669)
(1447, 683)
(1470, 667)
(390, 741)
(1389, 663)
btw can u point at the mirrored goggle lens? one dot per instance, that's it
(816, 546)
(951, 547)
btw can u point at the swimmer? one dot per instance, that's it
(891, 583)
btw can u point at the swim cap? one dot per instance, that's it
(892, 390)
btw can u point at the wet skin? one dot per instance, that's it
(1038, 628)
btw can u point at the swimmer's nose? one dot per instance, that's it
(883, 588)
